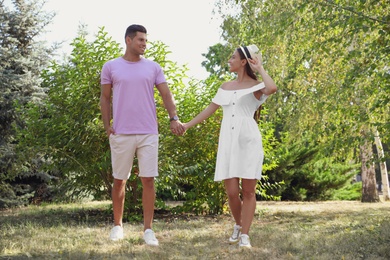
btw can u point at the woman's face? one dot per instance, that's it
(235, 62)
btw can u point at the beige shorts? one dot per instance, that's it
(125, 147)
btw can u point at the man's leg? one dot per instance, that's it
(118, 200)
(148, 200)
(147, 153)
(122, 154)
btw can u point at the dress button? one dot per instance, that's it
(232, 115)
(233, 127)
(234, 103)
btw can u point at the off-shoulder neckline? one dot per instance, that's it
(241, 88)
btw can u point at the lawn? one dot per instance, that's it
(280, 230)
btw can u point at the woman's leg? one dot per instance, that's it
(248, 204)
(233, 192)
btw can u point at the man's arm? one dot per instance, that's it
(167, 97)
(170, 106)
(105, 107)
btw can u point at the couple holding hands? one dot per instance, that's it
(127, 87)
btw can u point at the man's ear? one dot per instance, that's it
(128, 40)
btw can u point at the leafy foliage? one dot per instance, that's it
(22, 58)
(66, 129)
(330, 60)
(194, 154)
(216, 63)
(352, 191)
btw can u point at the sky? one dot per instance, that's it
(187, 27)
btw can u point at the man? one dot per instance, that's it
(131, 79)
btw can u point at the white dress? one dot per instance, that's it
(240, 148)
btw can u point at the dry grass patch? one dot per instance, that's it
(281, 230)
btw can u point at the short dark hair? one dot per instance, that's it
(132, 30)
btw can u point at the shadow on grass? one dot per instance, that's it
(47, 217)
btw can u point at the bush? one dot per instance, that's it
(352, 191)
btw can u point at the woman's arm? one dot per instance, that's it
(206, 113)
(270, 86)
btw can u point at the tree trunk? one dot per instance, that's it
(369, 192)
(383, 168)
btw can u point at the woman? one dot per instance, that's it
(240, 152)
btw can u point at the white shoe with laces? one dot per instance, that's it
(244, 241)
(116, 233)
(150, 238)
(236, 234)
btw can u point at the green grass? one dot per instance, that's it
(280, 230)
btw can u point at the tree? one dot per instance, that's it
(215, 62)
(22, 58)
(65, 129)
(382, 167)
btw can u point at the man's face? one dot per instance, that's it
(138, 43)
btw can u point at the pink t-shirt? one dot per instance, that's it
(134, 108)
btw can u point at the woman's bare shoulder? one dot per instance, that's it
(227, 85)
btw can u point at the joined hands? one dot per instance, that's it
(177, 128)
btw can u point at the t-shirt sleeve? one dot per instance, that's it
(105, 76)
(160, 77)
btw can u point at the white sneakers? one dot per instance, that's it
(150, 238)
(244, 241)
(236, 234)
(116, 233)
